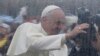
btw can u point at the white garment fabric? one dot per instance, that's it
(31, 40)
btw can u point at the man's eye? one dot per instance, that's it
(60, 22)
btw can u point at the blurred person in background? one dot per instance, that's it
(96, 43)
(24, 16)
(84, 41)
(20, 17)
(4, 42)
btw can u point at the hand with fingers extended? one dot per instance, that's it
(77, 30)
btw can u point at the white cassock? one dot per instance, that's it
(31, 40)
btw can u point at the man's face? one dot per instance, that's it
(56, 21)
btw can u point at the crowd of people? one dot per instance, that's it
(52, 34)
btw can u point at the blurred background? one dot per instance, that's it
(12, 7)
(12, 12)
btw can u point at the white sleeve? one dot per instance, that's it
(27, 36)
(52, 42)
(36, 40)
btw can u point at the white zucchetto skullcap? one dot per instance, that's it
(48, 9)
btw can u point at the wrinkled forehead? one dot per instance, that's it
(58, 14)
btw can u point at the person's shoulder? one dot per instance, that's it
(28, 24)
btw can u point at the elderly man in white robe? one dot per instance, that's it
(42, 39)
